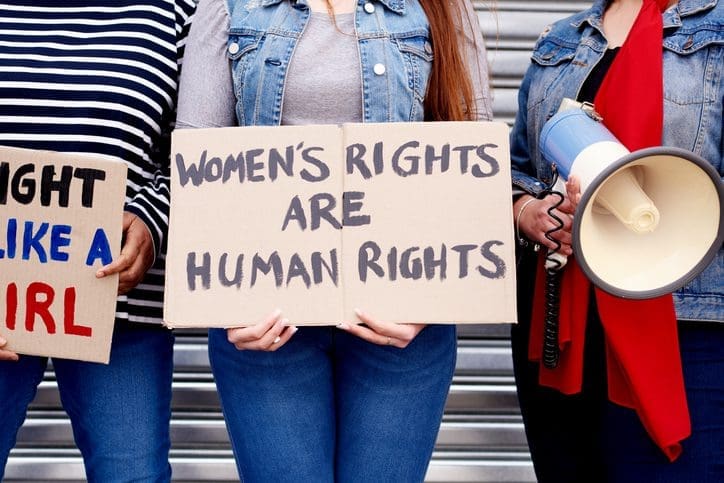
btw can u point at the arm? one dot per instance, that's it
(530, 215)
(145, 220)
(206, 95)
(474, 54)
(207, 100)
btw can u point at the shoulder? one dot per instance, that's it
(702, 14)
(242, 5)
(566, 31)
(695, 24)
(559, 40)
(184, 10)
(701, 11)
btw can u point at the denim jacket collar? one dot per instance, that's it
(672, 17)
(397, 6)
(690, 7)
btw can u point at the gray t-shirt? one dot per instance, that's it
(324, 80)
(206, 96)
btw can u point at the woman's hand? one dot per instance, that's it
(534, 221)
(6, 355)
(136, 254)
(268, 335)
(382, 333)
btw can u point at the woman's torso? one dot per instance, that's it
(96, 77)
(693, 93)
(394, 51)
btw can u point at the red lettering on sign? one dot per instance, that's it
(69, 315)
(11, 306)
(34, 306)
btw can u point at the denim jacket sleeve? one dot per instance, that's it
(523, 171)
(549, 78)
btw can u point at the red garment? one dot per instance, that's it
(642, 347)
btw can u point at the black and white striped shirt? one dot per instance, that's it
(100, 77)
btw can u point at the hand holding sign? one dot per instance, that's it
(382, 333)
(60, 219)
(136, 254)
(268, 335)
(6, 355)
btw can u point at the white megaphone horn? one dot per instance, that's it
(648, 221)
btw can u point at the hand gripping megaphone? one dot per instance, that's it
(648, 221)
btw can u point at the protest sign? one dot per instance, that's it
(410, 222)
(60, 216)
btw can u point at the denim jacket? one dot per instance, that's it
(394, 46)
(693, 57)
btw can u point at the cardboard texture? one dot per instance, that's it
(61, 218)
(410, 222)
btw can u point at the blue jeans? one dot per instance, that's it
(586, 438)
(633, 458)
(329, 406)
(120, 412)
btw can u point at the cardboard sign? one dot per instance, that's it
(409, 222)
(61, 217)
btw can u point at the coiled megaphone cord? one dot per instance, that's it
(551, 350)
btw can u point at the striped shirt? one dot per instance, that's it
(99, 77)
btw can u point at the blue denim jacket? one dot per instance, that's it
(394, 46)
(693, 54)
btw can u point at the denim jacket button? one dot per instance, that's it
(428, 48)
(369, 8)
(379, 69)
(233, 48)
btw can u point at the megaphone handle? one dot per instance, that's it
(551, 349)
(555, 261)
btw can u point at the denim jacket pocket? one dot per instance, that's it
(692, 104)
(417, 55)
(551, 51)
(693, 50)
(240, 50)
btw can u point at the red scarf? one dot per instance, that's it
(642, 347)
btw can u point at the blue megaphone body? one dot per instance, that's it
(648, 221)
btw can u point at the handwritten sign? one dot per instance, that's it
(60, 220)
(407, 221)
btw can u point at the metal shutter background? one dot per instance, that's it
(481, 439)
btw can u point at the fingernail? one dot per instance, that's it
(3, 341)
(295, 329)
(343, 326)
(358, 312)
(100, 274)
(285, 321)
(277, 312)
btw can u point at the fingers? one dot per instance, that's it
(136, 255)
(536, 221)
(7, 355)
(573, 191)
(125, 258)
(268, 335)
(382, 333)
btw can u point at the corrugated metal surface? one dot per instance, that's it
(481, 439)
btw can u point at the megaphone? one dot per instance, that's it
(648, 221)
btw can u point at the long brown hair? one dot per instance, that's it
(450, 92)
